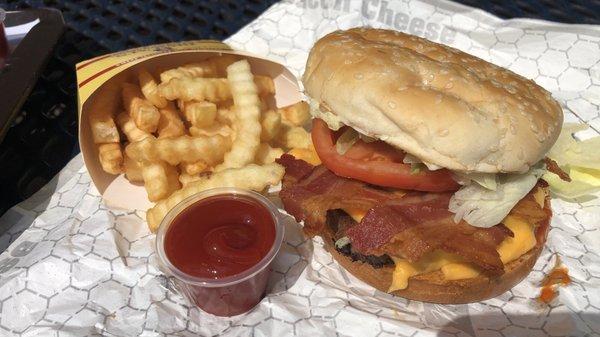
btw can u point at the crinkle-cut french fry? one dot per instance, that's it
(293, 136)
(195, 89)
(264, 106)
(160, 180)
(253, 177)
(103, 127)
(271, 124)
(193, 168)
(170, 124)
(208, 89)
(131, 131)
(212, 67)
(247, 112)
(215, 129)
(228, 104)
(265, 85)
(185, 178)
(183, 149)
(149, 89)
(226, 116)
(144, 114)
(111, 157)
(133, 170)
(200, 114)
(296, 114)
(267, 154)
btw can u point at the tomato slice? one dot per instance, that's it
(376, 163)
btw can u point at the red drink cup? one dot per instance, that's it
(3, 43)
(219, 245)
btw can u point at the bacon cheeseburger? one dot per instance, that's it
(430, 184)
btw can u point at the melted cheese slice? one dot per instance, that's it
(435, 260)
(356, 214)
(452, 266)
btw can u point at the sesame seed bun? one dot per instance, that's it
(435, 102)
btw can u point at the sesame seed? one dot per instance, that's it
(534, 128)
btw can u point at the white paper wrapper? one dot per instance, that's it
(75, 268)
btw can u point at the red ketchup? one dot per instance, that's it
(219, 246)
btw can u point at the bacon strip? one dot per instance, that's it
(408, 226)
(419, 227)
(553, 167)
(309, 192)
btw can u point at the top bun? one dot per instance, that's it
(442, 105)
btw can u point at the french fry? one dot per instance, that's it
(208, 89)
(228, 104)
(226, 116)
(267, 154)
(264, 106)
(293, 137)
(131, 131)
(185, 178)
(271, 124)
(200, 114)
(160, 180)
(213, 130)
(149, 86)
(253, 177)
(144, 114)
(183, 149)
(133, 170)
(296, 114)
(111, 157)
(212, 67)
(169, 124)
(193, 168)
(103, 127)
(308, 155)
(247, 112)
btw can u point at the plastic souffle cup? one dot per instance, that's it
(233, 294)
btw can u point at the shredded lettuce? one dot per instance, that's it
(366, 138)
(581, 159)
(346, 140)
(331, 119)
(567, 151)
(410, 159)
(482, 207)
(416, 168)
(341, 242)
(583, 182)
(487, 180)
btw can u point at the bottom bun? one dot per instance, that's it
(432, 287)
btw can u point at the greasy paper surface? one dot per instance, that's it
(83, 269)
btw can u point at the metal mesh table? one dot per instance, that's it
(44, 137)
